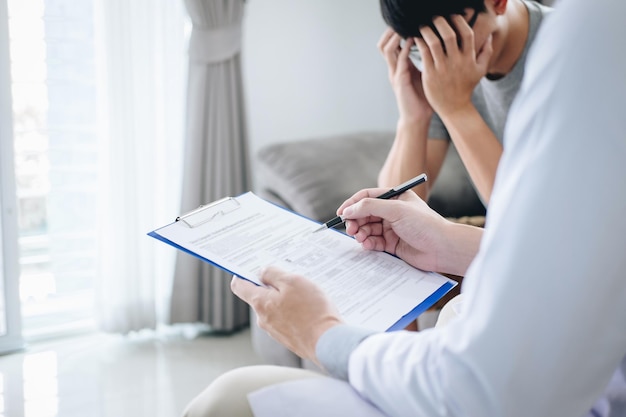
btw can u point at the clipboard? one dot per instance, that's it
(198, 217)
(207, 212)
(213, 229)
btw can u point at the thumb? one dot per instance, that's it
(245, 289)
(273, 277)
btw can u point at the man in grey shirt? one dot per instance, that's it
(465, 87)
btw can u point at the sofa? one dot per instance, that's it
(314, 176)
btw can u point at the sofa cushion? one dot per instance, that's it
(313, 177)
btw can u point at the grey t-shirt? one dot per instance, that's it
(493, 98)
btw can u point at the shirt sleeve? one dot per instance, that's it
(333, 349)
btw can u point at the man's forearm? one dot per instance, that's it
(478, 147)
(407, 157)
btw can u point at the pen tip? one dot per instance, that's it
(320, 229)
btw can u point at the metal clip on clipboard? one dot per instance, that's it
(208, 212)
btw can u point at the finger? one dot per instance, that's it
(370, 237)
(427, 57)
(387, 34)
(464, 33)
(369, 230)
(390, 51)
(374, 243)
(448, 36)
(373, 224)
(245, 289)
(403, 57)
(353, 225)
(430, 38)
(275, 277)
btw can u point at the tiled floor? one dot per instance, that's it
(112, 376)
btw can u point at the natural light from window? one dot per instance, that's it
(54, 117)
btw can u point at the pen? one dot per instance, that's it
(395, 191)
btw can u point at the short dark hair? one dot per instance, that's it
(406, 17)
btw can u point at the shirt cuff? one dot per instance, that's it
(334, 347)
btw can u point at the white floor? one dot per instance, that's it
(112, 376)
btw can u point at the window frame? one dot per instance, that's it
(11, 340)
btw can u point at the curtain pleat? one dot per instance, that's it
(139, 48)
(216, 156)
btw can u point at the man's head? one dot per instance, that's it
(405, 17)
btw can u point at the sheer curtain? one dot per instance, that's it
(142, 67)
(216, 155)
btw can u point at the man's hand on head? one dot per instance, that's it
(452, 66)
(405, 79)
(291, 308)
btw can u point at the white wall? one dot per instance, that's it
(311, 68)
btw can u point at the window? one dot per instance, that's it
(54, 116)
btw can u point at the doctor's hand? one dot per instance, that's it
(408, 228)
(292, 309)
(405, 227)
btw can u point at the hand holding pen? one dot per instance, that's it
(394, 192)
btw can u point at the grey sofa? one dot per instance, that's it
(313, 177)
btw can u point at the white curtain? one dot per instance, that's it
(216, 155)
(141, 60)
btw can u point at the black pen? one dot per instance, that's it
(395, 191)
